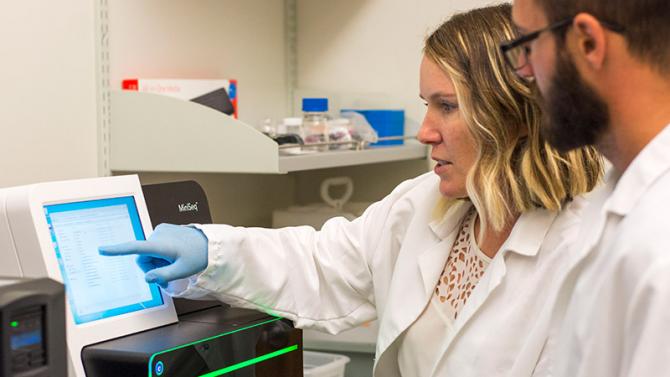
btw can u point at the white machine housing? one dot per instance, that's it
(26, 250)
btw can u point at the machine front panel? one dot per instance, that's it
(257, 351)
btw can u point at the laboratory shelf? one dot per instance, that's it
(154, 133)
(411, 150)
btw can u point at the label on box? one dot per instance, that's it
(220, 95)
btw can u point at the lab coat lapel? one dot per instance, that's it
(495, 273)
(432, 261)
(431, 264)
(489, 281)
(525, 239)
(415, 278)
(593, 220)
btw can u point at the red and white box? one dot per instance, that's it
(220, 95)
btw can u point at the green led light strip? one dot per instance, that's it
(253, 361)
(151, 359)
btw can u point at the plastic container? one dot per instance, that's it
(339, 131)
(321, 364)
(386, 123)
(314, 121)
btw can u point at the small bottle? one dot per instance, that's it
(267, 127)
(293, 126)
(314, 122)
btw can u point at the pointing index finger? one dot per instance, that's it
(128, 248)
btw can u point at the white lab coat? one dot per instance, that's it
(385, 265)
(618, 292)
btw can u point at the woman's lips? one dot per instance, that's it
(441, 166)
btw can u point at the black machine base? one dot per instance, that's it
(214, 342)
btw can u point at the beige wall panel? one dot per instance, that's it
(48, 113)
(204, 39)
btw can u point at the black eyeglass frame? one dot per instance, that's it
(524, 39)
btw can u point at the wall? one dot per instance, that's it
(204, 39)
(369, 51)
(48, 113)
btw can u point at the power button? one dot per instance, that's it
(159, 368)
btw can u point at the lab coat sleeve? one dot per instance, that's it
(317, 279)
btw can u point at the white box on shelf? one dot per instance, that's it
(320, 364)
(359, 339)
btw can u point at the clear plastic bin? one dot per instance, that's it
(321, 364)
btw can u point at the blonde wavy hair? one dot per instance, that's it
(516, 170)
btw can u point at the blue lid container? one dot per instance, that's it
(386, 123)
(315, 105)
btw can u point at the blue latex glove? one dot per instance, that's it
(172, 252)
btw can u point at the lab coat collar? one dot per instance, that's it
(526, 236)
(452, 219)
(529, 231)
(646, 168)
(525, 239)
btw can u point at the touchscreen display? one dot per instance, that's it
(97, 286)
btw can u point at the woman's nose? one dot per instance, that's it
(428, 133)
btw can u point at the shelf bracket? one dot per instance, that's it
(291, 51)
(103, 78)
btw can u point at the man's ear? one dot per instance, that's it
(591, 41)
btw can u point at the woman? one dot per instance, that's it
(457, 264)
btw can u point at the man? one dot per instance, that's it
(603, 69)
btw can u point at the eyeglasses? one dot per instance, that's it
(517, 50)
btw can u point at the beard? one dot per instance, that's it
(574, 115)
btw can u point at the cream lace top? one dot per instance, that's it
(464, 268)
